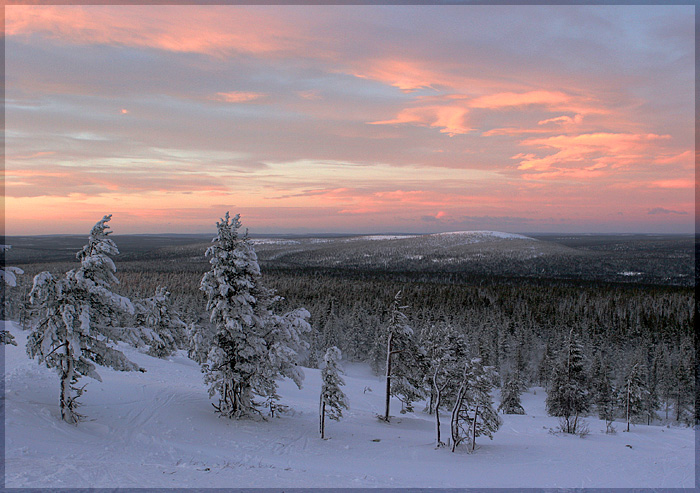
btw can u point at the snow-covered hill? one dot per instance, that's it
(158, 429)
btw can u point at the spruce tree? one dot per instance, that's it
(510, 395)
(631, 393)
(568, 395)
(76, 317)
(251, 345)
(603, 392)
(333, 400)
(160, 324)
(403, 360)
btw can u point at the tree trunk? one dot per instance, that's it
(628, 406)
(388, 377)
(437, 411)
(476, 414)
(322, 419)
(454, 428)
(66, 400)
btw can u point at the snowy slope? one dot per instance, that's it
(158, 429)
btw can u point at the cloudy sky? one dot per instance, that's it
(350, 118)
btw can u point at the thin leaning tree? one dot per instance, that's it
(76, 320)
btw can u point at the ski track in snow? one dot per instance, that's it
(158, 429)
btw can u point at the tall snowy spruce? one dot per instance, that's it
(251, 345)
(333, 399)
(403, 361)
(473, 414)
(76, 319)
(568, 396)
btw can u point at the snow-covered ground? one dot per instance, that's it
(158, 429)
(476, 236)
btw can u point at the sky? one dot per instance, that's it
(352, 119)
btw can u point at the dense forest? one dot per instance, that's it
(514, 324)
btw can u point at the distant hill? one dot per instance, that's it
(652, 259)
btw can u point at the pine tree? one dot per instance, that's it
(251, 345)
(76, 317)
(510, 395)
(473, 414)
(568, 395)
(403, 360)
(445, 355)
(333, 400)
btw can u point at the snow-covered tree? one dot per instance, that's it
(9, 275)
(76, 319)
(445, 356)
(510, 395)
(632, 393)
(251, 345)
(333, 399)
(473, 414)
(568, 395)
(199, 341)
(403, 360)
(544, 369)
(160, 325)
(603, 392)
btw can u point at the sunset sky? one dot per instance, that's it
(357, 119)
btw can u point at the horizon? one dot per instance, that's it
(314, 234)
(350, 119)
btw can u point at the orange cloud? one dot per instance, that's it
(215, 30)
(674, 183)
(563, 119)
(609, 149)
(449, 119)
(238, 96)
(407, 75)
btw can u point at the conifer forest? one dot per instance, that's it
(457, 346)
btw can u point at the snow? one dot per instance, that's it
(381, 237)
(485, 235)
(158, 429)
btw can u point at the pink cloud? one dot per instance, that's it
(450, 119)
(562, 119)
(215, 30)
(674, 183)
(609, 149)
(238, 96)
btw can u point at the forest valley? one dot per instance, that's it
(622, 352)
